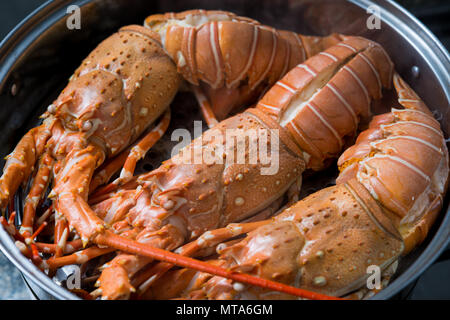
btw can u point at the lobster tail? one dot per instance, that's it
(322, 100)
(387, 196)
(402, 159)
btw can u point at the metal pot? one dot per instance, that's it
(39, 55)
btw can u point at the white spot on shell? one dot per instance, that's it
(51, 109)
(181, 59)
(239, 201)
(143, 112)
(87, 125)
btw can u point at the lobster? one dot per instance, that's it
(179, 201)
(117, 93)
(388, 194)
(228, 60)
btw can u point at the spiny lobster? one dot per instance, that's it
(119, 90)
(176, 203)
(387, 196)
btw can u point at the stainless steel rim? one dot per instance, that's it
(418, 36)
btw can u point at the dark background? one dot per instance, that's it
(435, 14)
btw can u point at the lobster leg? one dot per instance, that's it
(35, 194)
(138, 152)
(20, 163)
(69, 248)
(102, 195)
(45, 215)
(105, 172)
(61, 234)
(77, 257)
(11, 228)
(72, 189)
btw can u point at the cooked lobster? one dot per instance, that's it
(230, 60)
(387, 196)
(120, 89)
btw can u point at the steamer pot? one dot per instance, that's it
(39, 55)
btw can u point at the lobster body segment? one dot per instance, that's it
(322, 101)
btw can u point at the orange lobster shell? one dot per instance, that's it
(234, 59)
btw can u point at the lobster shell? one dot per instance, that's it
(387, 196)
(208, 196)
(234, 59)
(403, 160)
